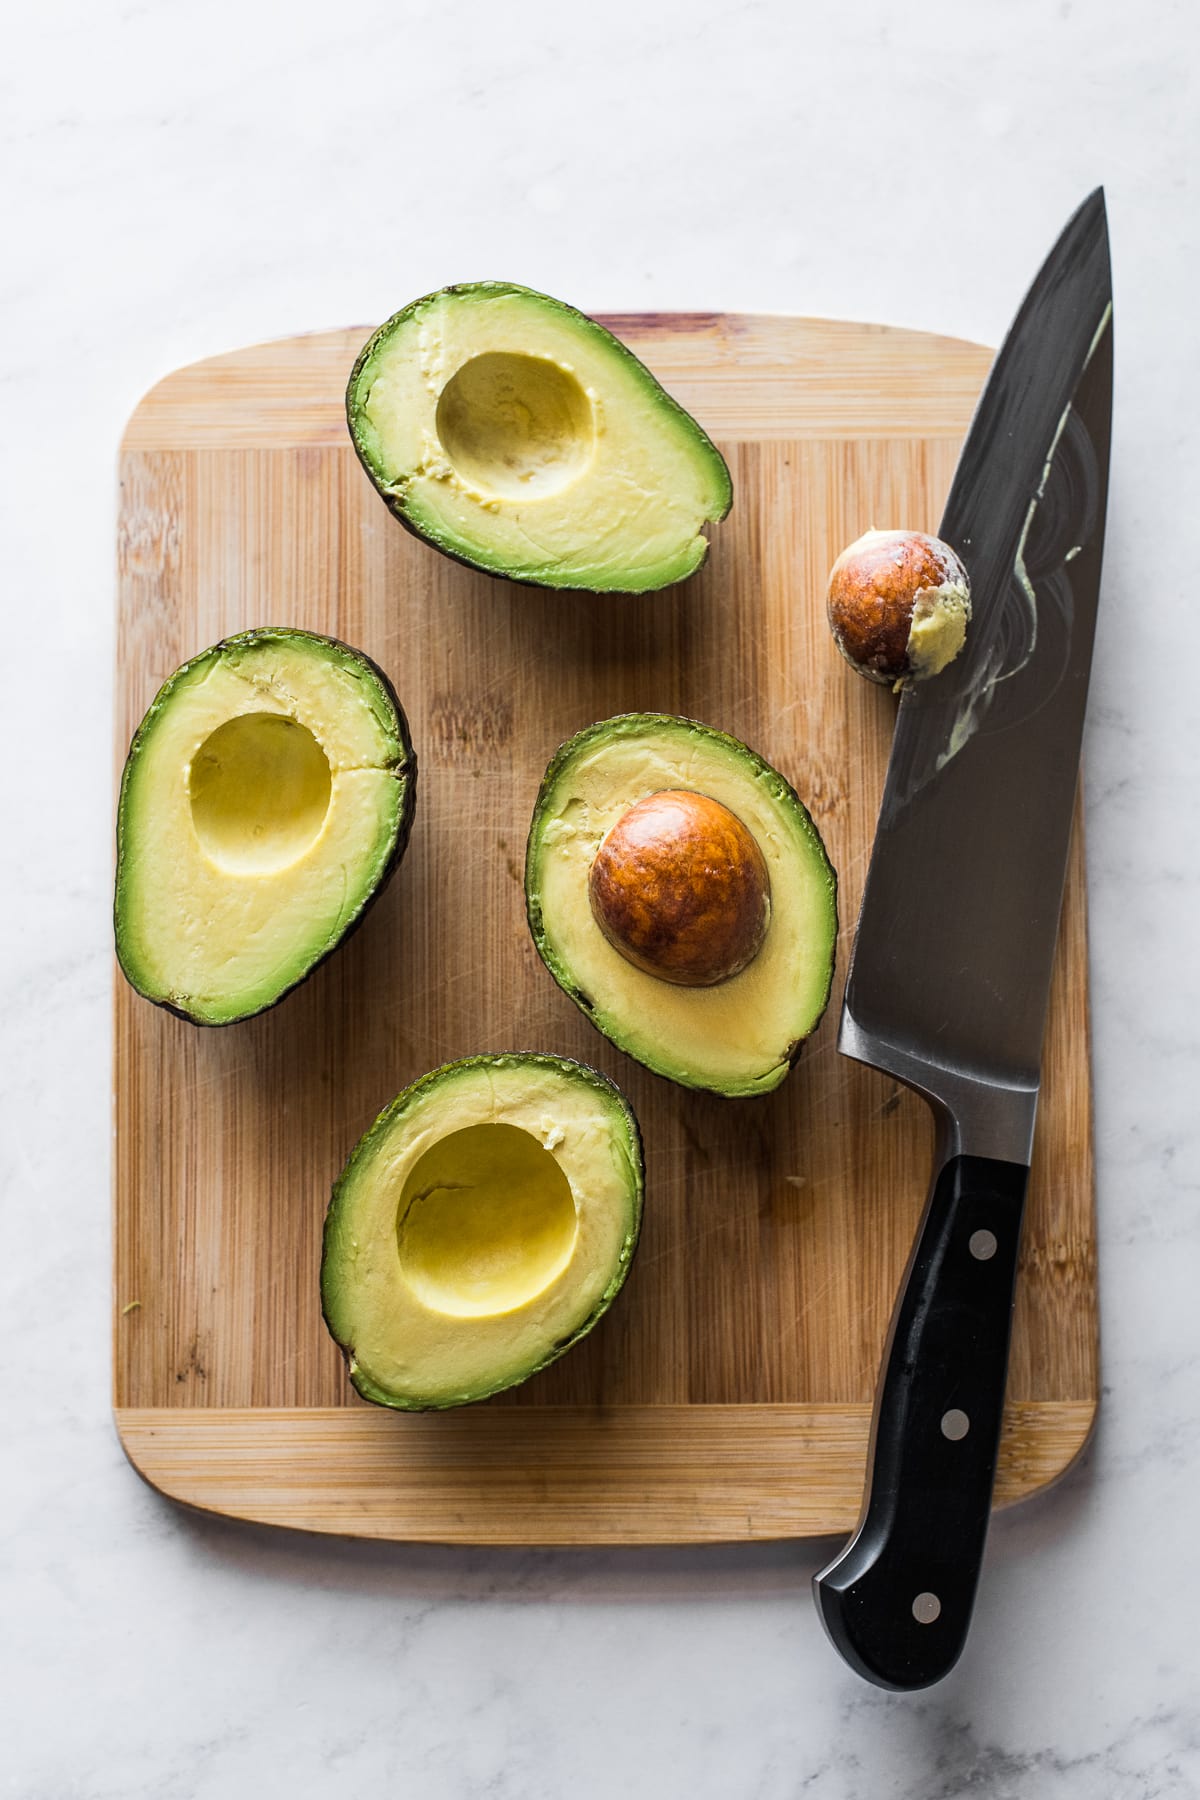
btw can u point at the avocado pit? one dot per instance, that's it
(679, 887)
(899, 603)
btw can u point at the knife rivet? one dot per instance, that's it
(955, 1424)
(982, 1245)
(926, 1608)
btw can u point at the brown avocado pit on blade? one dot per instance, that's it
(898, 604)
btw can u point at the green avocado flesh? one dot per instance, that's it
(481, 1227)
(519, 436)
(742, 1035)
(267, 796)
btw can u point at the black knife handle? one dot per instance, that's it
(897, 1600)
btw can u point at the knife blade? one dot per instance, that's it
(950, 973)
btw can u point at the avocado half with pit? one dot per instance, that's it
(679, 892)
(519, 436)
(482, 1226)
(267, 796)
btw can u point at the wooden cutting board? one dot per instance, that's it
(728, 1393)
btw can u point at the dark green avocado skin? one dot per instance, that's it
(395, 504)
(245, 640)
(583, 1072)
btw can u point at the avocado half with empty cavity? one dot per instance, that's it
(521, 437)
(483, 1225)
(267, 796)
(679, 892)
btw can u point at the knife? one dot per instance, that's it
(950, 973)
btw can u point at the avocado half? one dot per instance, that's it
(267, 796)
(482, 1226)
(519, 436)
(740, 1036)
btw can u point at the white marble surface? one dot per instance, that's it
(182, 179)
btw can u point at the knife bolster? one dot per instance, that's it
(977, 1115)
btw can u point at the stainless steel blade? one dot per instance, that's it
(950, 974)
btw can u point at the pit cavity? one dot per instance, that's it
(259, 789)
(519, 427)
(486, 1222)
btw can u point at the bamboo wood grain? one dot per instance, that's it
(557, 1475)
(727, 1395)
